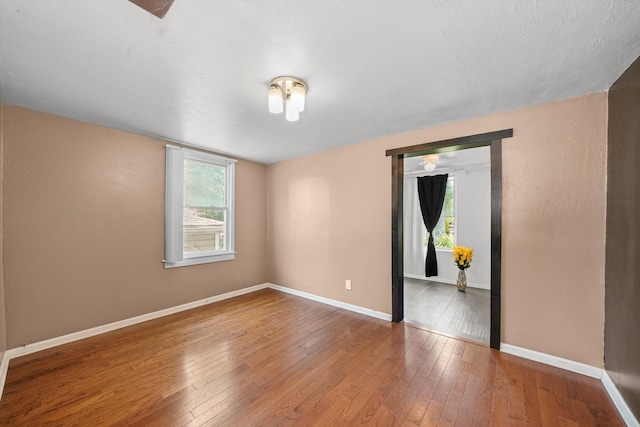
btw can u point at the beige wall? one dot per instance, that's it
(84, 211)
(329, 220)
(84, 229)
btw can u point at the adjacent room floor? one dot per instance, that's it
(442, 308)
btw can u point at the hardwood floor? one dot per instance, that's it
(269, 358)
(442, 308)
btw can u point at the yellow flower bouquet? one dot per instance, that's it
(462, 256)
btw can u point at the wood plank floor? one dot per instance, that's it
(269, 358)
(440, 307)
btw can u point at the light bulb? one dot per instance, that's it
(275, 100)
(292, 113)
(429, 167)
(297, 97)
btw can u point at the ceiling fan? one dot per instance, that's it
(158, 8)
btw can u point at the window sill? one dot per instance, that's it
(228, 256)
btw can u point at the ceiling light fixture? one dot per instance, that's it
(290, 91)
(430, 162)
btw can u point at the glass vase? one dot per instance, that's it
(462, 280)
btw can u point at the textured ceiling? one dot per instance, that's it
(374, 68)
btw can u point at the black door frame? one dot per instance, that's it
(494, 141)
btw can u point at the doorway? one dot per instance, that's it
(434, 303)
(492, 139)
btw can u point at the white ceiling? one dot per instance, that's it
(374, 67)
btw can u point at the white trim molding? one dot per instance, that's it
(579, 368)
(558, 362)
(335, 303)
(618, 400)
(75, 336)
(4, 368)
(547, 359)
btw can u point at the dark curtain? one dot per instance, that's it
(431, 190)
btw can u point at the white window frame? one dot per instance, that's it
(174, 208)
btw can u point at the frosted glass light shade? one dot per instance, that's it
(297, 97)
(287, 93)
(275, 100)
(292, 113)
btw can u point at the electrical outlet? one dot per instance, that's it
(347, 284)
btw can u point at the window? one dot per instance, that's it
(444, 235)
(199, 208)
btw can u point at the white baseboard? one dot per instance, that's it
(558, 362)
(4, 368)
(547, 359)
(618, 400)
(335, 303)
(580, 368)
(75, 336)
(447, 281)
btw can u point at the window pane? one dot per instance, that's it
(445, 231)
(203, 230)
(203, 193)
(203, 184)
